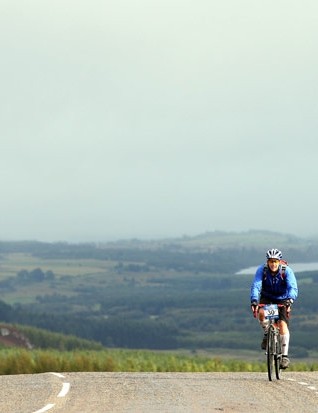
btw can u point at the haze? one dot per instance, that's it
(147, 119)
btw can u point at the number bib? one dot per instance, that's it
(271, 311)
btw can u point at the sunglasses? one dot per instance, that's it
(273, 261)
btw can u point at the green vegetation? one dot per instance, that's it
(43, 339)
(156, 295)
(41, 361)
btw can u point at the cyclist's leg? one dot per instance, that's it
(285, 336)
(264, 324)
(284, 330)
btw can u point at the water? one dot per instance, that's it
(296, 267)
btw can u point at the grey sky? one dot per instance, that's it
(160, 118)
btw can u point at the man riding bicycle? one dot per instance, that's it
(275, 283)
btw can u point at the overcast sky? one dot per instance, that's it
(157, 118)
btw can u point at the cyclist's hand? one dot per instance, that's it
(254, 308)
(288, 303)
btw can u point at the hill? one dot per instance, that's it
(30, 338)
(12, 337)
(157, 294)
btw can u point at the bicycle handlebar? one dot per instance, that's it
(255, 312)
(279, 305)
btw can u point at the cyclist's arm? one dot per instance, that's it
(292, 288)
(256, 286)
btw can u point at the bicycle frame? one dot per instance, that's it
(274, 345)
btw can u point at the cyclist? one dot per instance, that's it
(274, 283)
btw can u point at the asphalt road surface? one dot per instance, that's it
(158, 392)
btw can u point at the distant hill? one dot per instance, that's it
(209, 240)
(153, 294)
(250, 239)
(255, 242)
(236, 250)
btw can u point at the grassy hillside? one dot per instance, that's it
(41, 361)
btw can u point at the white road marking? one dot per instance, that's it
(58, 375)
(62, 393)
(302, 383)
(45, 409)
(65, 390)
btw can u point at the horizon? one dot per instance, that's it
(156, 239)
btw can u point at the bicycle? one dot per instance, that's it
(274, 344)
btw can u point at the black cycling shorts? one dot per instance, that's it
(281, 310)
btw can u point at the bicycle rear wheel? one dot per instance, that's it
(270, 353)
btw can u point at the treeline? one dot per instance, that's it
(140, 260)
(134, 258)
(168, 318)
(114, 332)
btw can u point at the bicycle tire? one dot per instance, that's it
(270, 353)
(278, 355)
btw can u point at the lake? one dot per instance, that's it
(296, 267)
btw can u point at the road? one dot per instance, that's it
(158, 392)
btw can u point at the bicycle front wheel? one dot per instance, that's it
(278, 355)
(270, 353)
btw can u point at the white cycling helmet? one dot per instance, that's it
(274, 253)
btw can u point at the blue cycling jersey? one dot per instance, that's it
(274, 287)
